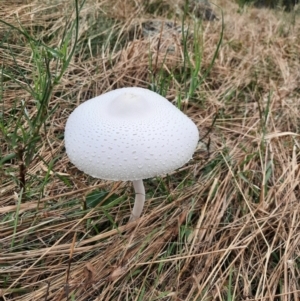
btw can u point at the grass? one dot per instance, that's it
(223, 227)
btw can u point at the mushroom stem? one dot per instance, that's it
(139, 200)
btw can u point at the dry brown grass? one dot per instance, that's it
(224, 226)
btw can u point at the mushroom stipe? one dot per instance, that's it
(129, 134)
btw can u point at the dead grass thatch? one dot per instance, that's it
(225, 226)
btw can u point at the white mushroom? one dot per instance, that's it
(129, 134)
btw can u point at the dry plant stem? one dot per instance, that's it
(139, 200)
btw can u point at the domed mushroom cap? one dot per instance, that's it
(129, 134)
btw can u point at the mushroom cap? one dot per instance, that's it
(129, 134)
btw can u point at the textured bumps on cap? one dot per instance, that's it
(129, 134)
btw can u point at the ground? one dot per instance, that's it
(223, 227)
